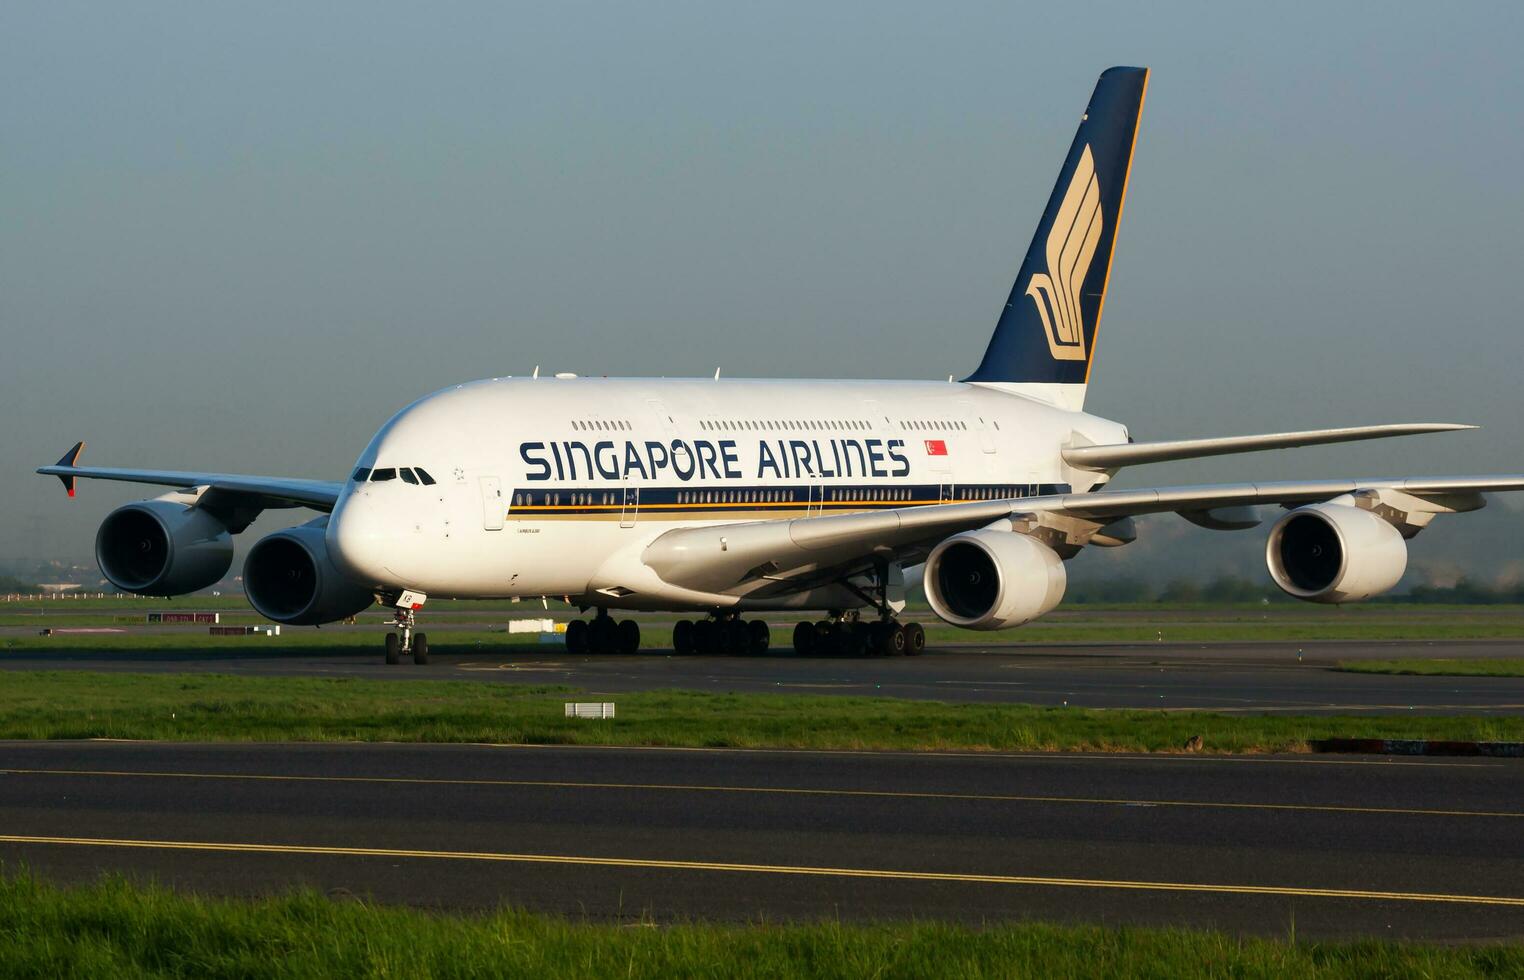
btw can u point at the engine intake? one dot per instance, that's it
(289, 577)
(991, 580)
(1333, 553)
(162, 547)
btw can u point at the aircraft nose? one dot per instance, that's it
(359, 539)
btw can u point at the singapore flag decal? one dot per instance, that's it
(936, 447)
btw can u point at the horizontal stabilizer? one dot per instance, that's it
(1137, 453)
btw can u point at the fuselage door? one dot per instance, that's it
(492, 503)
(631, 505)
(982, 425)
(817, 500)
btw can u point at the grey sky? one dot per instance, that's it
(239, 236)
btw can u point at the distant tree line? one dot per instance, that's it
(1464, 593)
(10, 583)
(1224, 589)
(1232, 589)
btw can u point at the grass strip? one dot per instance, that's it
(118, 929)
(210, 707)
(1437, 667)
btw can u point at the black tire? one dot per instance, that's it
(682, 637)
(629, 636)
(876, 641)
(915, 639)
(703, 637)
(894, 641)
(577, 637)
(420, 648)
(854, 640)
(603, 635)
(733, 634)
(393, 649)
(758, 637)
(804, 639)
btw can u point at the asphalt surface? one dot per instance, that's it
(1330, 847)
(1230, 677)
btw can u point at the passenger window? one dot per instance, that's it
(361, 475)
(423, 475)
(381, 476)
(408, 477)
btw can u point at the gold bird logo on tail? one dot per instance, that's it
(1072, 242)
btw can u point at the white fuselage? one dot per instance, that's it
(554, 487)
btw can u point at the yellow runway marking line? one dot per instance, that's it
(769, 790)
(777, 869)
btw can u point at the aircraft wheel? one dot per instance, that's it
(758, 637)
(420, 648)
(682, 637)
(603, 635)
(577, 637)
(892, 640)
(854, 640)
(704, 637)
(915, 639)
(733, 637)
(629, 636)
(393, 649)
(804, 639)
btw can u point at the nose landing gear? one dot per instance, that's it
(406, 640)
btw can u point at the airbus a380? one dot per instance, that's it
(726, 498)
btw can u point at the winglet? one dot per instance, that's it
(69, 459)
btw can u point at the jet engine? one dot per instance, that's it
(991, 580)
(163, 547)
(1335, 553)
(289, 577)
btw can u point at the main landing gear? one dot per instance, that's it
(602, 635)
(408, 641)
(724, 633)
(847, 636)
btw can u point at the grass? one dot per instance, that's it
(212, 707)
(1438, 667)
(114, 928)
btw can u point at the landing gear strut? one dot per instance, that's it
(602, 635)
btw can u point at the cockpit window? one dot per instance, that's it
(381, 476)
(361, 475)
(423, 475)
(408, 477)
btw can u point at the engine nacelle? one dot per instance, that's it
(1333, 552)
(290, 577)
(163, 547)
(992, 580)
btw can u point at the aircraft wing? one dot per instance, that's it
(722, 558)
(1137, 453)
(257, 492)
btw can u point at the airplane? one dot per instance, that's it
(721, 499)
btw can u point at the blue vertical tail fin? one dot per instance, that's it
(1047, 331)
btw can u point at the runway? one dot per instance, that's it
(1337, 847)
(1226, 677)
